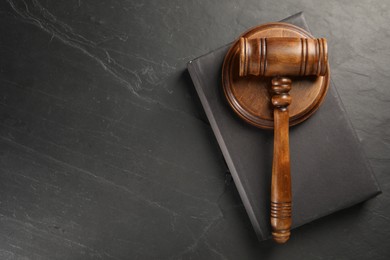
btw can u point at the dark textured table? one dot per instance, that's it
(105, 151)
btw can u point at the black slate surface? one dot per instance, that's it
(105, 152)
(325, 152)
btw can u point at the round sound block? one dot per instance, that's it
(249, 96)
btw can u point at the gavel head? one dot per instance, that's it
(283, 56)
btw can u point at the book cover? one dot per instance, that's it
(329, 170)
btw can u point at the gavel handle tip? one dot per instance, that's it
(281, 236)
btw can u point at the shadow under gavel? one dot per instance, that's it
(279, 58)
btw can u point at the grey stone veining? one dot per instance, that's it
(105, 153)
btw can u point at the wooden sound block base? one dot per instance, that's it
(250, 96)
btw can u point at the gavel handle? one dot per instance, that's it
(281, 179)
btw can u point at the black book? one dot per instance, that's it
(329, 170)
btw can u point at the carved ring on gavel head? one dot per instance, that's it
(277, 51)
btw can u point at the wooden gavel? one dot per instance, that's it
(280, 57)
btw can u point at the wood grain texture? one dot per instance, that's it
(254, 59)
(281, 178)
(286, 56)
(249, 96)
